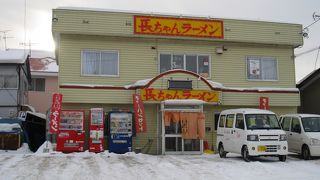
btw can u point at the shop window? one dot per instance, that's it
(101, 63)
(38, 84)
(262, 68)
(8, 81)
(199, 64)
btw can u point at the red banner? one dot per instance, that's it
(264, 103)
(55, 113)
(139, 114)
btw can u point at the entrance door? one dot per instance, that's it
(172, 142)
(175, 144)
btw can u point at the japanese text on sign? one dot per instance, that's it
(55, 113)
(178, 27)
(139, 113)
(161, 95)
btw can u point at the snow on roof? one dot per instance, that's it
(43, 116)
(247, 111)
(184, 102)
(13, 56)
(262, 89)
(5, 127)
(86, 85)
(43, 65)
(163, 14)
(216, 84)
(138, 83)
(303, 115)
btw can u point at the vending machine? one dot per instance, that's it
(71, 131)
(120, 132)
(96, 139)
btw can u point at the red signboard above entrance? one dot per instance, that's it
(264, 103)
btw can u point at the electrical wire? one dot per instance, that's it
(315, 64)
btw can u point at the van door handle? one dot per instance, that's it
(290, 134)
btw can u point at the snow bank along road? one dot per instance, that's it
(130, 166)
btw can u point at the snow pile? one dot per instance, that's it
(112, 166)
(5, 127)
(46, 147)
(138, 83)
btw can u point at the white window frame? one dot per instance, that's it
(100, 51)
(260, 57)
(17, 87)
(184, 61)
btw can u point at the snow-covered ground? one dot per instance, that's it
(23, 164)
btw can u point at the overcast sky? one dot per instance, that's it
(38, 18)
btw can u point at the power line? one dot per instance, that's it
(315, 64)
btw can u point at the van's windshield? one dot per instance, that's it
(262, 121)
(311, 124)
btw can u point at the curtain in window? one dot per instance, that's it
(191, 63)
(269, 69)
(90, 62)
(109, 63)
(253, 68)
(8, 81)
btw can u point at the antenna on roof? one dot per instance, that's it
(305, 30)
(5, 37)
(29, 44)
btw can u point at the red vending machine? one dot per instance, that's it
(71, 131)
(96, 139)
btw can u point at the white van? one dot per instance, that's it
(303, 132)
(251, 132)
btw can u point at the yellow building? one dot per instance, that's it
(105, 57)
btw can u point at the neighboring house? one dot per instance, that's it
(310, 93)
(106, 57)
(44, 72)
(15, 79)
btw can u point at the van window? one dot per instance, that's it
(229, 120)
(311, 124)
(295, 125)
(262, 121)
(286, 123)
(239, 121)
(221, 121)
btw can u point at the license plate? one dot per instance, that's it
(262, 148)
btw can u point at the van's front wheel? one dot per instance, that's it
(222, 153)
(282, 158)
(245, 154)
(305, 154)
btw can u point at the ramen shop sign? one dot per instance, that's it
(168, 26)
(166, 94)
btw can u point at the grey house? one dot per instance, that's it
(15, 79)
(310, 93)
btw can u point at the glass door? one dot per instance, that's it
(173, 143)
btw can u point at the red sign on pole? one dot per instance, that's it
(139, 114)
(55, 113)
(264, 103)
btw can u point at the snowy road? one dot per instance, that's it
(106, 165)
